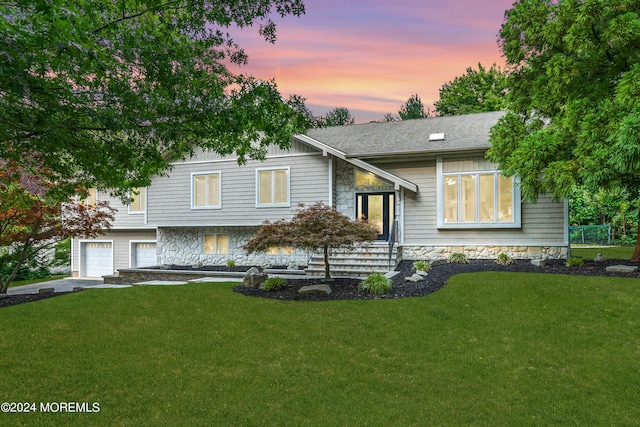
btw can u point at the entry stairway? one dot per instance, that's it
(359, 262)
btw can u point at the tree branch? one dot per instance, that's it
(135, 15)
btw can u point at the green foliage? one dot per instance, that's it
(615, 206)
(504, 259)
(29, 268)
(140, 82)
(422, 265)
(62, 253)
(458, 258)
(574, 97)
(376, 284)
(231, 263)
(339, 116)
(273, 284)
(32, 221)
(474, 92)
(412, 109)
(575, 262)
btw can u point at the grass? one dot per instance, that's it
(490, 349)
(610, 252)
(32, 281)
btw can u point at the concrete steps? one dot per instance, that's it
(360, 262)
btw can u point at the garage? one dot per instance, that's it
(97, 259)
(143, 254)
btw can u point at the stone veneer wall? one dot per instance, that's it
(482, 252)
(346, 189)
(185, 246)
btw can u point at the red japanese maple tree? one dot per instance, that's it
(33, 217)
(316, 227)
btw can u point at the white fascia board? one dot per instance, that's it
(399, 182)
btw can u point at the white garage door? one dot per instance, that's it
(144, 255)
(98, 259)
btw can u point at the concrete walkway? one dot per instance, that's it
(68, 284)
(61, 285)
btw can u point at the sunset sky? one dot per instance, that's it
(371, 56)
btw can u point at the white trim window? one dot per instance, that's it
(216, 244)
(138, 201)
(280, 250)
(272, 187)
(480, 199)
(206, 190)
(92, 197)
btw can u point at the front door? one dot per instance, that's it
(377, 209)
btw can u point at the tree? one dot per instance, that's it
(106, 93)
(574, 97)
(611, 206)
(316, 227)
(339, 116)
(31, 220)
(389, 117)
(298, 103)
(413, 109)
(476, 91)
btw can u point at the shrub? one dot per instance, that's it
(273, 284)
(575, 262)
(458, 258)
(376, 284)
(504, 259)
(422, 265)
(231, 263)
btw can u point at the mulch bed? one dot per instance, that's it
(21, 299)
(345, 289)
(437, 278)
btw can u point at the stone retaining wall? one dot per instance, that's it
(185, 246)
(482, 252)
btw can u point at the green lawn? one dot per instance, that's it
(490, 349)
(32, 281)
(611, 252)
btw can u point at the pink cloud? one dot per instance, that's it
(371, 56)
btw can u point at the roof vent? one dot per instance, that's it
(436, 137)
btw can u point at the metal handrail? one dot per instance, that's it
(392, 239)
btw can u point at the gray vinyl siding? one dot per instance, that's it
(169, 198)
(543, 223)
(122, 218)
(121, 245)
(297, 147)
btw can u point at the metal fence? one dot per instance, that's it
(590, 234)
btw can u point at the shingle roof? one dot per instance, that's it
(410, 137)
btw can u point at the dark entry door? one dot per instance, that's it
(378, 209)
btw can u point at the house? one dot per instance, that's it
(426, 179)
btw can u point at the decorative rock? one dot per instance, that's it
(422, 273)
(540, 262)
(253, 277)
(78, 288)
(415, 278)
(622, 269)
(315, 289)
(46, 290)
(599, 258)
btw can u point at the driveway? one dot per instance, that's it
(61, 285)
